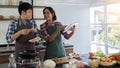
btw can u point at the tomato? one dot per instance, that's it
(117, 56)
(91, 54)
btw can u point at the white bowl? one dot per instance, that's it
(106, 63)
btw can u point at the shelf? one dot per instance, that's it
(6, 19)
(16, 6)
(8, 6)
(39, 6)
(13, 19)
(38, 19)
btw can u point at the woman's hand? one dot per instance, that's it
(72, 28)
(25, 31)
(66, 35)
(62, 27)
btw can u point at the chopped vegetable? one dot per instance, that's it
(100, 54)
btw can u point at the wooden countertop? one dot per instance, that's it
(63, 60)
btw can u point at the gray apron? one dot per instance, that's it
(55, 49)
(22, 42)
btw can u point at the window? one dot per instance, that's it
(105, 28)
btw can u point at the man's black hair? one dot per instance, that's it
(24, 7)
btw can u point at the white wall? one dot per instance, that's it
(6, 12)
(3, 29)
(67, 14)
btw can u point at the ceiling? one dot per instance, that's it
(68, 1)
(78, 1)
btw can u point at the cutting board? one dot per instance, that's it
(63, 60)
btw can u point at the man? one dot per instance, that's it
(20, 29)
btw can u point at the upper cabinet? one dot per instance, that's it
(9, 11)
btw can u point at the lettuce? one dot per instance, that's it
(100, 54)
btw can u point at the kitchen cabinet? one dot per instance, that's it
(4, 58)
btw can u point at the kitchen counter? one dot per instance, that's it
(5, 52)
(83, 58)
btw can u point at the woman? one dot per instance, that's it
(52, 31)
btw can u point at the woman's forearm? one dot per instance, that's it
(52, 37)
(67, 36)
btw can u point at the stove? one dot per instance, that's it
(27, 63)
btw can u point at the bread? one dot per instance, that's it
(11, 17)
(1, 17)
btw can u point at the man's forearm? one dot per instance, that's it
(15, 36)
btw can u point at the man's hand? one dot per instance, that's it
(25, 31)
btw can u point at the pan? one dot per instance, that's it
(27, 54)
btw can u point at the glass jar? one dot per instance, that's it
(9, 2)
(12, 62)
(38, 64)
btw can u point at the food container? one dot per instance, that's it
(105, 61)
(1, 17)
(9, 2)
(94, 63)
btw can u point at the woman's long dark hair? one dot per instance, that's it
(51, 11)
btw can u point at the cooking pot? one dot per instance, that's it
(27, 54)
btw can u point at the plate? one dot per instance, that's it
(93, 63)
(105, 63)
(69, 26)
(63, 60)
(74, 55)
(36, 39)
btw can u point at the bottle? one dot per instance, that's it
(12, 62)
(9, 2)
(20, 2)
(38, 64)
